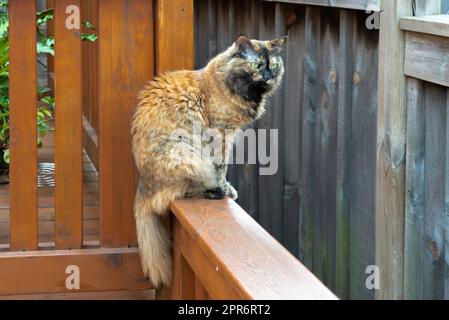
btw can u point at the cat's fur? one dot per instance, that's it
(229, 93)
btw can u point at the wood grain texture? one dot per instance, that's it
(68, 137)
(23, 126)
(101, 295)
(390, 180)
(293, 126)
(234, 248)
(426, 58)
(372, 5)
(44, 271)
(437, 25)
(89, 12)
(126, 63)
(175, 35)
(320, 142)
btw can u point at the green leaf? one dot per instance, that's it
(44, 16)
(88, 25)
(46, 45)
(89, 37)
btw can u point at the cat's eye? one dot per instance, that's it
(254, 65)
(274, 66)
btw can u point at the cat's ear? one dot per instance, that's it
(243, 43)
(278, 43)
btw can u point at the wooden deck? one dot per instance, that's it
(46, 200)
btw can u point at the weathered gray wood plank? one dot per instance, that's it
(415, 197)
(343, 191)
(437, 25)
(373, 5)
(435, 202)
(426, 58)
(293, 108)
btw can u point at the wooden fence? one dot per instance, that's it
(338, 199)
(96, 86)
(97, 98)
(427, 166)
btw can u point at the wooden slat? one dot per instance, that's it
(175, 36)
(437, 25)
(415, 196)
(293, 125)
(89, 12)
(435, 179)
(343, 188)
(231, 253)
(44, 271)
(426, 58)
(126, 63)
(23, 131)
(370, 5)
(50, 58)
(68, 136)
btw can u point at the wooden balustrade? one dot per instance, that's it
(220, 252)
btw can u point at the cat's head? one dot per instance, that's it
(255, 65)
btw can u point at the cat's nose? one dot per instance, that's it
(267, 75)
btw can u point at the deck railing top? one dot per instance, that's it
(251, 262)
(365, 5)
(437, 25)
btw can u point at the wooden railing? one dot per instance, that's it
(220, 252)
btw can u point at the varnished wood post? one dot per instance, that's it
(126, 63)
(68, 138)
(23, 126)
(391, 147)
(174, 51)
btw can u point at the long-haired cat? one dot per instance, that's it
(228, 94)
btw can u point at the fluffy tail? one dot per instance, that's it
(154, 239)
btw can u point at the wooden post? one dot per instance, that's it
(68, 138)
(391, 147)
(23, 132)
(175, 35)
(174, 51)
(126, 63)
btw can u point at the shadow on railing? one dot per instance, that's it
(220, 252)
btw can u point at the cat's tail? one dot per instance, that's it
(153, 237)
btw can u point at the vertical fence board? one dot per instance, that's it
(343, 192)
(435, 201)
(319, 138)
(415, 197)
(363, 155)
(446, 222)
(390, 173)
(175, 18)
(126, 63)
(270, 206)
(244, 176)
(293, 105)
(23, 131)
(89, 12)
(68, 137)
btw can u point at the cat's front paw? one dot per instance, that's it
(231, 192)
(215, 194)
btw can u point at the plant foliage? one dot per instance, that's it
(46, 103)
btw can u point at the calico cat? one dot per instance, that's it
(229, 93)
